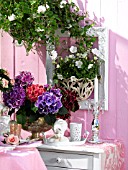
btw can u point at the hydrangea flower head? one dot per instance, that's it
(33, 91)
(24, 79)
(15, 97)
(49, 102)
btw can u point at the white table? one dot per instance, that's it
(106, 156)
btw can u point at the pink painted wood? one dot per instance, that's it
(111, 14)
(34, 62)
(7, 54)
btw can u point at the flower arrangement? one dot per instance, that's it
(76, 64)
(33, 101)
(34, 22)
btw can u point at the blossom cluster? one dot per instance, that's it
(69, 100)
(41, 9)
(49, 102)
(33, 100)
(16, 96)
(24, 79)
(33, 91)
(38, 21)
(76, 65)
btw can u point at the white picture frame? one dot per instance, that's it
(102, 34)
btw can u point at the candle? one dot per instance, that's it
(96, 89)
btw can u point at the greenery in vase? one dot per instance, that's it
(34, 22)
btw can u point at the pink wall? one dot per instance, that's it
(14, 59)
(113, 15)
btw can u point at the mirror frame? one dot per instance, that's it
(101, 33)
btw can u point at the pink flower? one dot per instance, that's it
(12, 139)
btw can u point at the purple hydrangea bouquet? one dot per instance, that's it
(32, 101)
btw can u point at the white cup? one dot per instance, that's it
(75, 131)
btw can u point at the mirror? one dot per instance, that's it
(102, 35)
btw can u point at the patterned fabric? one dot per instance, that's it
(114, 154)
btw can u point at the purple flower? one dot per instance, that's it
(15, 97)
(56, 92)
(24, 79)
(49, 102)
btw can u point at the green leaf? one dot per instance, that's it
(21, 119)
(34, 109)
(63, 111)
(33, 117)
(50, 119)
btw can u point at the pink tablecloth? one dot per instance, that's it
(21, 159)
(114, 154)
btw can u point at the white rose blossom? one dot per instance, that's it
(96, 52)
(47, 6)
(69, 26)
(78, 64)
(71, 56)
(90, 66)
(11, 17)
(53, 54)
(58, 66)
(41, 9)
(39, 30)
(73, 49)
(69, 1)
(85, 54)
(62, 3)
(60, 77)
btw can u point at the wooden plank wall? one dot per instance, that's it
(14, 59)
(112, 14)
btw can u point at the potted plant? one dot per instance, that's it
(76, 69)
(34, 22)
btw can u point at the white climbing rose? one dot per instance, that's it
(41, 9)
(11, 17)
